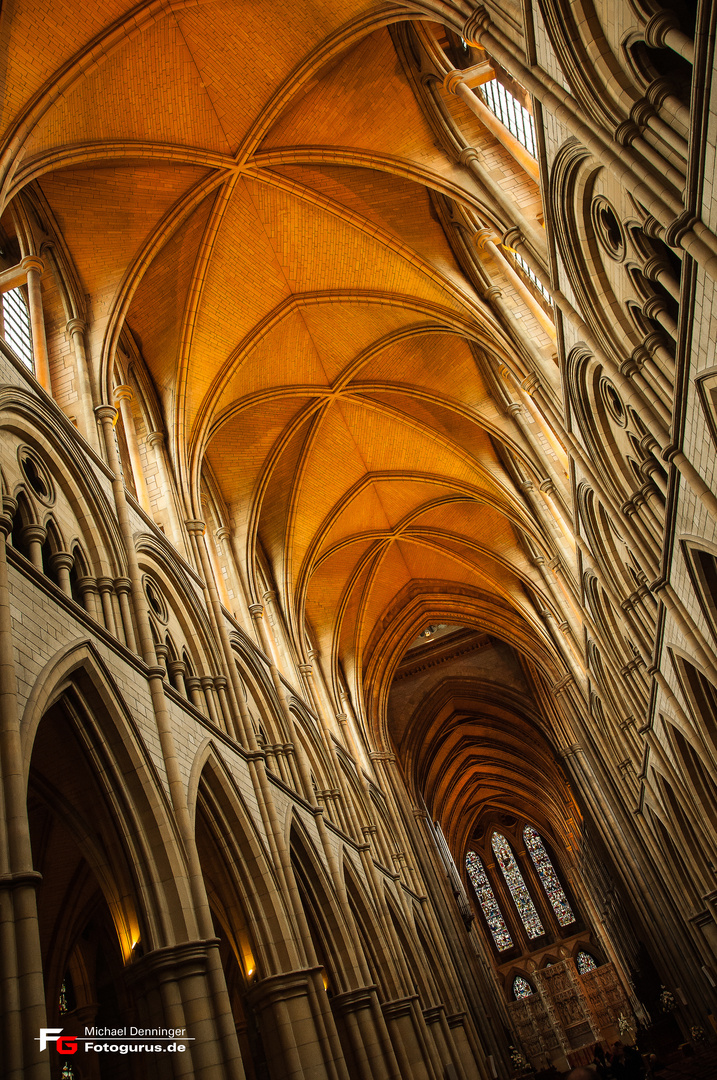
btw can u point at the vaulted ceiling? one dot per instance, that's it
(256, 193)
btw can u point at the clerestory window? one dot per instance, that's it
(511, 113)
(16, 319)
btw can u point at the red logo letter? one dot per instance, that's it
(67, 1044)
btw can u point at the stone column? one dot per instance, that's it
(106, 585)
(177, 670)
(225, 1032)
(484, 239)
(194, 691)
(366, 1034)
(77, 329)
(34, 266)
(220, 685)
(207, 685)
(61, 564)
(174, 984)
(456, 83)
(22, 988)
(663, 31)
(412, 1059)
(196, 529)
(123, 587)
(34, 536)
(124, 396)
(293, 1028)
(440, 1031)
(89, 592)
(456, 1024)
(156, 440)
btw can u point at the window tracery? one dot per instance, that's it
(548, 878)
(518, 889)
(488, 902)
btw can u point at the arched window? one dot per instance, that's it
(516, 884)
(548, 877)
(17, 326)
(585, 962)
(488, 902)
(521, 987)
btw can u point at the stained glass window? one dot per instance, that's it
(488, 902)
(518, 888)
(548, 877)
(585, 962)
(64, 1007)
(68, 1073)
(521, 987)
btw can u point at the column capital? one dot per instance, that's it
(482, 237)
(33, 262)
(123, 585)
(223, 532)
(34, 532)
(106, 412)
(196, 527)
(468, 155)
(123, 393)
(256, 611)
(658, 27)
(62, 560)
(7, 513)
(452, 80)
(76, 326)
(626, 132)
(562, 684)
(84, 584)
(513, 238)
(476, 25)
(105, 584)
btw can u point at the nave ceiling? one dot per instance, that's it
(255, 193)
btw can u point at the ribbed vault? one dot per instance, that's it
(272, 229)
(465, 717)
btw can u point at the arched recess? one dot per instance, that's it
(371, 936)
(28, 421)
(701, 695)
(250, 921)
(696, 773)
(114, 884)
(330, 945)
